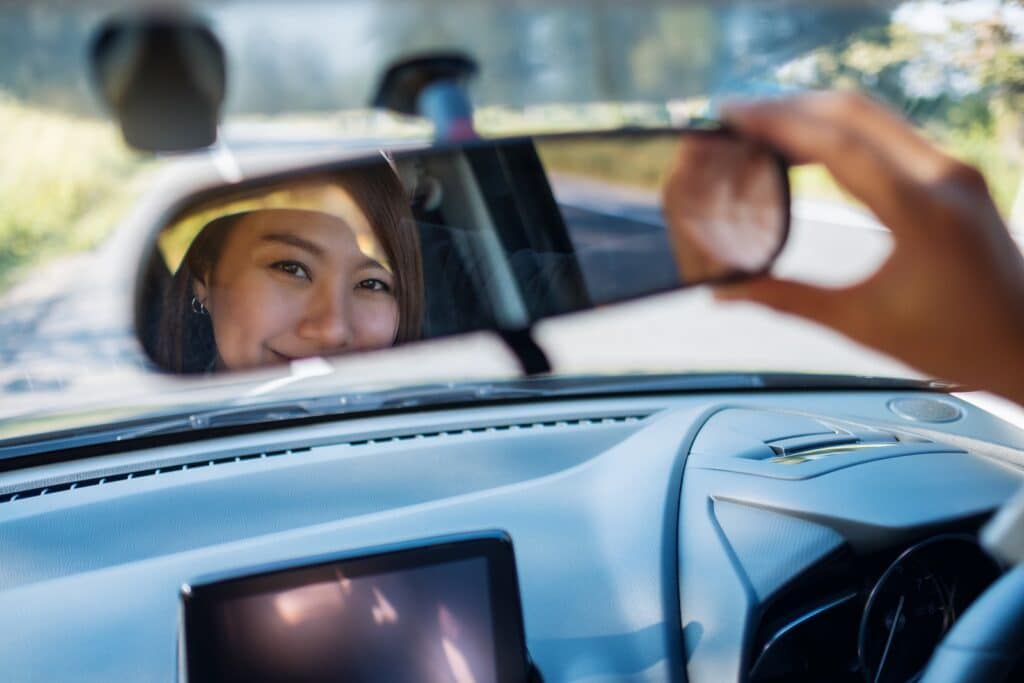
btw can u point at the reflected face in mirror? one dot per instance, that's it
(263, 282)
(292, 284)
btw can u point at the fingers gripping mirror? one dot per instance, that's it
(488, 234)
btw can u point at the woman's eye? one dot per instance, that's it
(375, 285)
(293, 268)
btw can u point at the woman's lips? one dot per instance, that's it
(280, 357)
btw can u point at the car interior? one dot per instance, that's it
(750, 527)
(764, 529)
(754, 535)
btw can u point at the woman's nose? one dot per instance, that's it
(326, 321)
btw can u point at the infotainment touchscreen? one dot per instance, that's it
(445, 612)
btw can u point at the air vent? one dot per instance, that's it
(801, 449)
(811, 645)
(139, 474)
(789, 445)
(35, 491)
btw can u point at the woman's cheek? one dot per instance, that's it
(252, 311)
(376, 322)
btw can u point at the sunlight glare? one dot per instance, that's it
(383, 612)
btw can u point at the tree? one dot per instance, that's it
(963, 83)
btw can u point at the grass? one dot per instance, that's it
(65, 181)
(815, 182)
(1001, 170)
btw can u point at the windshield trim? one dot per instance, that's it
(132, 435)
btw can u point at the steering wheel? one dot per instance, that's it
(987, 642)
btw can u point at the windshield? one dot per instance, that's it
(74, 200)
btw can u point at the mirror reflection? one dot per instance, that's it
(487, 235)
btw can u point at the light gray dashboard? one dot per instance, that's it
(649, 532)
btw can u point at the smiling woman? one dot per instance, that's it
(267, 283)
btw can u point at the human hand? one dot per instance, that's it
(723, 201)
(949, 300)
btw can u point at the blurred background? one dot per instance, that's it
(301, 75)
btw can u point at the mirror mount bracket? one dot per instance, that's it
(433, 86)
(163, 75)
(531, 357)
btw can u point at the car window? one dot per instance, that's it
(301, 75)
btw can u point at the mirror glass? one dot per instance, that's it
(483, 235)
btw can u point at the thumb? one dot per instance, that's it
(820, 304)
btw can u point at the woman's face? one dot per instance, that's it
(292, 284)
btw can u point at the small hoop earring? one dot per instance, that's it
(198, 307)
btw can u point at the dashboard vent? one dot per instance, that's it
(35, 490)
(789, 445)
(811, 645)
(801, 449)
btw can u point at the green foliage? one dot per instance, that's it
(64, 183)
(977, 146)
(963, 85)
(815, 182)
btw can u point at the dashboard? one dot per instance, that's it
(726, 536)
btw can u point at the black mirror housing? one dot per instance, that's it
(163, 76)
(455, 237)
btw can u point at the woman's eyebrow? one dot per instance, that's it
(317, 250)
(370, 262)
(295, 241)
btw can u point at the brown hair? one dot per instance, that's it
(184, 340)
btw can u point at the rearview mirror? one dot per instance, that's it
(487, 234)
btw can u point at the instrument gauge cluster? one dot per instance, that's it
(915, 602)
(874, 619)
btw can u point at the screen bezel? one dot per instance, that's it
(511, 660)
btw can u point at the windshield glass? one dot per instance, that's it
(75, 201)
